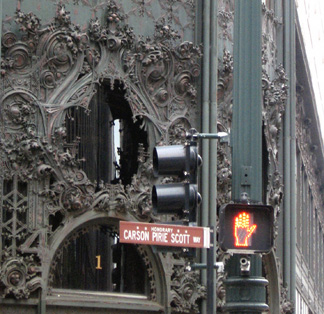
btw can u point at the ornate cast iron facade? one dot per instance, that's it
(55, 62)
(49, 70)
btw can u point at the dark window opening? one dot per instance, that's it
(107, 135)
(93, 259)
(56, 220)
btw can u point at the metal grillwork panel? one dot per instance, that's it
(14, 215)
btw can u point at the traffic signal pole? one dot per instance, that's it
(183, 198)
(245, 286)
(211, 264)
(210, 275)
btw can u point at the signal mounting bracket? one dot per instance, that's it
(193, 135)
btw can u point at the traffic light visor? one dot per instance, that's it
(174, 160)
(171, 198)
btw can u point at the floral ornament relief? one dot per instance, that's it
(274, 101)
(19, 276)
(53, 68)
(186, 290)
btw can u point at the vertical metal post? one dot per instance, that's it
(205, 128)
(213, 143)
(247, 294)
(290, 150)
(1, 12)
(41, 308)
(247, 109)
(210, 275)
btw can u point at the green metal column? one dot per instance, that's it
(213, 129)
(0, 25)
(247, 110)
(289, 213)
(205, 129)
(247, 294)
(209, 125)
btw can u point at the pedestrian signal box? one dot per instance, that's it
(246, 229)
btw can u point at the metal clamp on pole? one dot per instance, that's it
(193, 135)
(219, 266)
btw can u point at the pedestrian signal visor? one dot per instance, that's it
(246, 229)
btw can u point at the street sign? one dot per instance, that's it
(163, 234)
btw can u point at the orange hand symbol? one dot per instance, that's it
(242, 229)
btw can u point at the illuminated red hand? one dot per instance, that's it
(243, 230)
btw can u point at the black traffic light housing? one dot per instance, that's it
(177, 198)
(246, 228)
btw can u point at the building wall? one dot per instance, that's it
(312, 30)
(309, 123)
(143, 57)
(68, 71)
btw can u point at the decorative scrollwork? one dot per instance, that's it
(186, 291)
(9, 39)
(62, 16)
(177, 131)
(61, 66)
(29, 22)
(225, 85)
(275, 95)
(18, 111)
(187, 50)
(165, 32)
(226, 21)
(19, 276)
(220, 288)
(19, 56)
(286, 306)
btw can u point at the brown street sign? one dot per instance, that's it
(162, 234)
